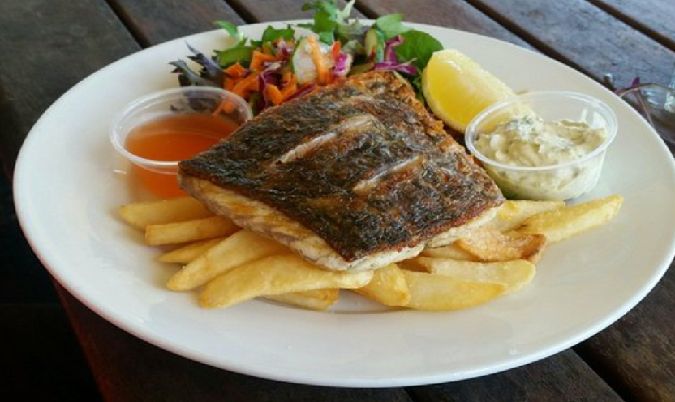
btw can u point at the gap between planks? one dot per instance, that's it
(634, 23)
(528, 37)
(124, 19)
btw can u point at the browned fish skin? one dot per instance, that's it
(362, 164)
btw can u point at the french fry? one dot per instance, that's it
(319, 299)
(142, 214)
(190, 252)
(411, 264)
(440, 292)
(566, 222)
(513, 274)
(275, 275)
(449, 251)
(388, 287)
(240, 248)
(491, 245)
(512, 213)
(187, 231)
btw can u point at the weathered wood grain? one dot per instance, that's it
(636, 354)
(47, 47)
(156, 21)
(129, 369)
(450, 14)
(654, 17)
(585, 37)
(274, 10)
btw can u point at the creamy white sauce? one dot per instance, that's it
(532, 142)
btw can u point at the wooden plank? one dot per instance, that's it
(137, 371)
(24, 280)
(450, 14)
(637, 354)
(274, 10)
(49, 45)
(41, 359)
(563, 377)
(654, 17)
(585, 37)
(156, 21)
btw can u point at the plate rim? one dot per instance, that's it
(140, 332)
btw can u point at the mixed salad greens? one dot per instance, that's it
(285, 64)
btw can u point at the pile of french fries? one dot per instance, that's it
(229, 265)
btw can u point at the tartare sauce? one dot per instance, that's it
(529, 141)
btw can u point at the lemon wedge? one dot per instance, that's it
(457, 88)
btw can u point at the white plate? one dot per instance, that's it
(66, 195)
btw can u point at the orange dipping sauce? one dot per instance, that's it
(174, 138)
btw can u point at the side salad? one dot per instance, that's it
(287, 63)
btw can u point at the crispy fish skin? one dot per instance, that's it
(360, 164)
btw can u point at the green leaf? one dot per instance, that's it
(323, 22)
(327, 18)
(231, 29)
(391, 25)
(379, 47)
(326, 37)
(417, 47)
(271, 34)
(241, 54)
(351, 31)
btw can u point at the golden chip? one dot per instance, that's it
(388, 287)
(491, 245)
(240, 248)
(275, 275)
(440, 292)
(512, 213)
(566, 222)
(142, 214)
(187, 231)
(189, 252)
(320, 299)
(449, 251)
(513, 274)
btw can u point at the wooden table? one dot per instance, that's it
(49, 45)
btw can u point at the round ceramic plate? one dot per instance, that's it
(582, 284)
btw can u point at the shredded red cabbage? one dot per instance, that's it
(342, 64)
(390, 62)
(284, 48)
(389, 54)
(271, 75)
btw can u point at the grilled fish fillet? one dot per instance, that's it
(353, 176)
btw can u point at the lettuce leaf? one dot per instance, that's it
(391, 25)
(417, 48)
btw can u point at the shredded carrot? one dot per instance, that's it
(258, 58)
(248, 84)
(286, 77)
(317, 58)
(228, 83)
(235, 71)
(273, 94)
(337, 46)
(289, 91)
